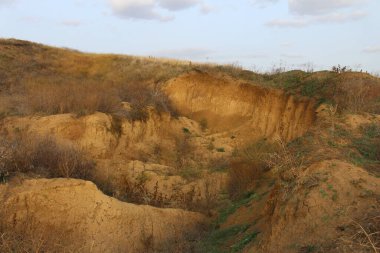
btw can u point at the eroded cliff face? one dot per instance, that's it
(235, 106)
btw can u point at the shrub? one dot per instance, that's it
(356, 95)
(220, 150)
(84, 98)
(134, 190)
(203, 124)
(46, 157)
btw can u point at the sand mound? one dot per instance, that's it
(97, 222)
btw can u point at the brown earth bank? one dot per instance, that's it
(78, 216)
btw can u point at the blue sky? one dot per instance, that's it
(257, 34)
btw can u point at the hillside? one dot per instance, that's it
(131, 154)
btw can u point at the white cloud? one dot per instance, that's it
(6, 2)
(137, 9)
(373, 49)
(288, 22)
(175, 5)
(73, 23)
(152, 9)
(310, 12)
(263, 3)
(317, 7)
(298, 22)
(206, 9)
(341, 17)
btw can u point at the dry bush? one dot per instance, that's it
(140, 96)
(362, 235)
(135, 191)
(88, 97)
(82, 98)
(46, 157)
(29, 235)
(283, 158)
(358, 95)
(183, 151)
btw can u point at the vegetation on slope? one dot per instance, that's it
(39, 79)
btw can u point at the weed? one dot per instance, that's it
(218, 238)
(220, 150)
(186, 130)
(224, 214)
(218, 165)
(323, 193)
(371, 130)
(239, 246)
(190, 173)
(307, 249)
(45, 156)
(203, 124)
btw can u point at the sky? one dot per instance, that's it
(256, 34)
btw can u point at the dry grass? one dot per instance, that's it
(29, 236)
(356, 95)
(83, 98)
(51, 80)
(362, 235)
(43, 156)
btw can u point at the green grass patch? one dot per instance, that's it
(239, 246)
(224, 214)
(221, 150)
(218, 238)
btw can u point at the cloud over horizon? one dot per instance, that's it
(6, 2)
(152, 9)
(317, 7)
(310, 20)
(373, 49)
(309, 12)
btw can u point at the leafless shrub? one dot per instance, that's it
(44, 156)
(136, 191)
(29, 235)
(84, 98)
(357, 95)
(362, 235)
(141, 96)
(283, 159)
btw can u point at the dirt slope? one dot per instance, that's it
(313, 211)
(96, 222)
(235, 106)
